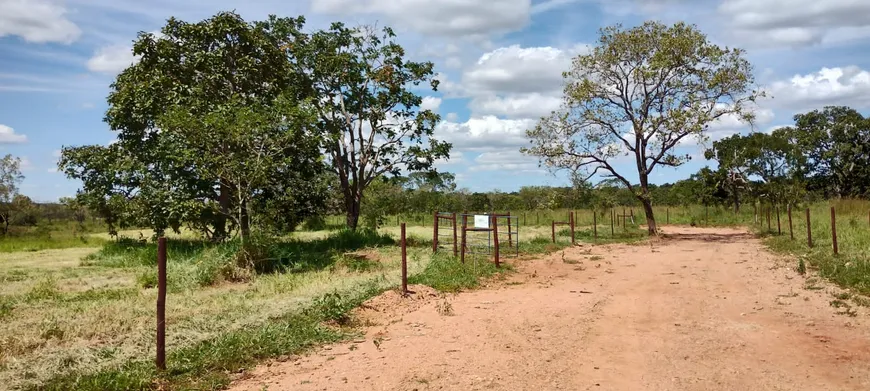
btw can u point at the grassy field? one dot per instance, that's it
(83, 318)
(59, 235)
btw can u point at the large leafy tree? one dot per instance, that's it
(212, 115)
(368, 110)
(769, 157)
(639, 93)
(835, 143)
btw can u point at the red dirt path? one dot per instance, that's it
(703, 309)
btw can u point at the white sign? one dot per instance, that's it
(481, 221)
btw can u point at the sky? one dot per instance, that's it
(500, 63)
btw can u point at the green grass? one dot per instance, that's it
(850, 268)
(448, 274)
(45, 236)
(28, 243)
(207, 365)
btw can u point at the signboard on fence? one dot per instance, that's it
(481, 221)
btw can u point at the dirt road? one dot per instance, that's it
(704, 309)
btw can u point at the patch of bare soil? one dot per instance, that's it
(700, 309)
(391, 304)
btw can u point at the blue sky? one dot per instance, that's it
(500, 62)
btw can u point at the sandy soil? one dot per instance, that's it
(702, 309)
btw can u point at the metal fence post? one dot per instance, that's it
(455, 245)
(834, 230)
(161, 304)
(495, 239)
(404, 262)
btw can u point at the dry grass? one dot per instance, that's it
(59, 316)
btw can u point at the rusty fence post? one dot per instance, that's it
(571, 222)
(790, 228)
(161, 304)
(809, 230)
(404, 262)
(495, 239)
(464, 228)
(834, 231)
(435, 232)
(455, 245)
(778, 225)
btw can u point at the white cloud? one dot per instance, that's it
(430, 103)
(112, 59)
(510, 160)
(793, 22)
(452, 117)
(455, 158)
(37, 21)
(534, 105)
(517, 82)
(848, 85)
(486, 133)
(26, 164)
(515, 69)
(474, 18)
(8, 136)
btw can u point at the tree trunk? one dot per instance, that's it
(244, 222)
(352, 203)
(220, 223)
(650, 219)
(736, 197)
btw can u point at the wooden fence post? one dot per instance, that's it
(834, 230)
(668, 213)
(768, 220)
(790, 229)
(571, 222)
(809, 230)
(612, 232)
(435, 232)
(495, 239)
(161, 304)
(778, 226)
(594, 225)
(404, 262)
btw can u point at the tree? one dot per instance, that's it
(10, 177)
(212, 116)
(367, 110)
(835, 143)
(769, 157)
(639, 93)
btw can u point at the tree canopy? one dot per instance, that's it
(640, 93)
